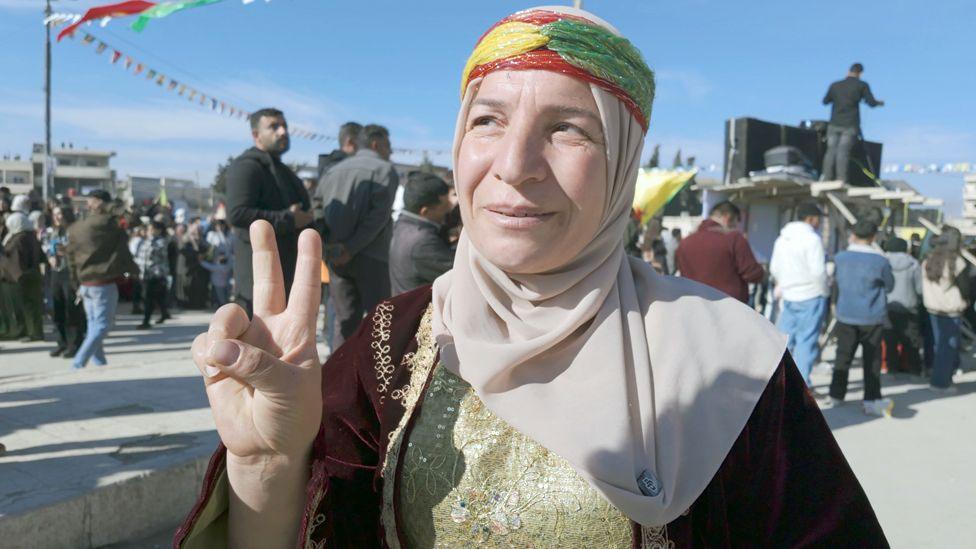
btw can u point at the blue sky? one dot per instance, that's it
(398, 63)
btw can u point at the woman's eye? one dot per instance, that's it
(567, 127)
(483, 121)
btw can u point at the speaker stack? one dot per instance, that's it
(748, 139)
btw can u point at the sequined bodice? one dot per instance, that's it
(469, 477)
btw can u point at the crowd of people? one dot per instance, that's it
(74, 263)
(903, 304)
(902, 307)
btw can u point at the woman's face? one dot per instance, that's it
(58, 217)
(532, 170)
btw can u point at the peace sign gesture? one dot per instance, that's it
(263, 375)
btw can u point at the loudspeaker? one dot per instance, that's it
(748, 139)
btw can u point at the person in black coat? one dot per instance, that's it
(260, 186)
(418, 253)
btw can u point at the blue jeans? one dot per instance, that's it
(801, 320)
(100, 303)
(946, 333)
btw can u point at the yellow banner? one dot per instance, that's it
(655, 188)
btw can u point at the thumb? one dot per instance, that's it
(253, 366)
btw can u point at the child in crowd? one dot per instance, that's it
(220, 272)
(863, 278)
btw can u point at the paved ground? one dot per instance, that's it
(142, 421)
(919, 466)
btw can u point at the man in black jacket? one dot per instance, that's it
(418, 253)
(260, 186)
(845, 120)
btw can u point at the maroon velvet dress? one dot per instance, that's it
(784, 483)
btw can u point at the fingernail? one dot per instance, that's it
(224, 352)
(211, 371)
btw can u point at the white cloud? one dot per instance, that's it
(168, 136)
(689, 83)
(927, 144)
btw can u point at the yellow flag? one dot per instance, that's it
(163, 201)
(655, 188)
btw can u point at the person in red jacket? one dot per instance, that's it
(718, 255)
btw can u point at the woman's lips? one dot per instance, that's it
(517, 218)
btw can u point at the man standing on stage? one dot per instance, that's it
(845, 120)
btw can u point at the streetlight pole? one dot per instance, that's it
(48, 169)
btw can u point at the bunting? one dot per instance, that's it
(207, 100)
(182, 89)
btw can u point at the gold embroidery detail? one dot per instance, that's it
(655, 538)
(468, 477)
(318, 519)
(382, 319)
(419, 366)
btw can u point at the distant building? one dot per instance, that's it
(182, 193)
(76, 171)
(16, 174)
(969, 198)
(968, 222)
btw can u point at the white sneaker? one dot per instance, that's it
(827, 401)
(881, 407)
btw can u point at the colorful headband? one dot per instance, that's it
(570, 45)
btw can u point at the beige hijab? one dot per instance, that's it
(617, 369)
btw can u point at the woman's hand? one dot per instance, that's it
(263, 375)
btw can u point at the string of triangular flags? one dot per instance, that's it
(949, 167)
(192, 94)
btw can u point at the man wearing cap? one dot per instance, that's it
(799, 267)
(98, 256)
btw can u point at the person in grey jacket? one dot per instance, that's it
(418, 253)
(357, 203)
(903, 336)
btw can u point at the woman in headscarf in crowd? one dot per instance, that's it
(549, 391)
(69, 316)
(945, 295)
(23, 283)
(220, 239)
(193, 290)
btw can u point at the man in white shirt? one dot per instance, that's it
(798, 265)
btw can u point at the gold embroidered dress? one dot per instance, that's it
(470, 478)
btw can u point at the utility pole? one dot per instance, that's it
(578, 4)
(48, 168)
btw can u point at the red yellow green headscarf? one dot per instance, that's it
(561, 42)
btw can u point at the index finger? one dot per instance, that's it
(306, 290)
(269, 283)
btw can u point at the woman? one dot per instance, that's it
(945, 295)
(548, 391)
(69, 317)
(22, 258)
(193, 290)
